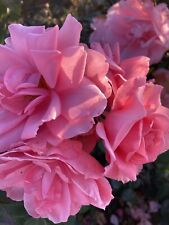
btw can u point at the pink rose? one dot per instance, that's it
(162, 77)
(88, 140)
(97, 70)
(140, 27)
(47, 81)
(135, 130)
(56, 184)
(134, 116)
(139, 214)
(120, 70)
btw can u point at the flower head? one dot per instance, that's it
(136, 126)
(45, 81)
(54, 185)
(136, 129)
(141, 28)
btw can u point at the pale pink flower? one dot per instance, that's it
(145, 222)
(97, 69)
(135, 130)
(121, 70)
(56, 184)
(47, 82)
(141, 28)
(141, 215)
(134, 117)
(161, 77)
(154, 206)
(114, 219)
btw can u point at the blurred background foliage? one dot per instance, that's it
(144, 202)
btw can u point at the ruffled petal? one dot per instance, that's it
(48, 64)
(69, 34)
(86, 100)
(19, 36)
(72, 71)
(49, 111)
(135, 67)
(46, 41)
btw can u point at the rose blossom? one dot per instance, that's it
(135, 130)
(136, 127)
(140, 27)
(121, 70)
(134, 117)
(46, 83)
(56, 184)
(51, 89)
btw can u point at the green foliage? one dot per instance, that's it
(37, 222)
(10, 11)
(71, 221)
(12, 214)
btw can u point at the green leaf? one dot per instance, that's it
(12, 214)
(16, 212)
(5, 217)
(116, 184)
(71, 221)
(38, 222)
(85, 209)
(31, 221)
(128, 195)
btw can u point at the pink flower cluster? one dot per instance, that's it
(138, 26)
(58, 98)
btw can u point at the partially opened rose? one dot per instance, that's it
(45, 81)
(54, 185)
(135, 126)
(135, 130)
(141, 28)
